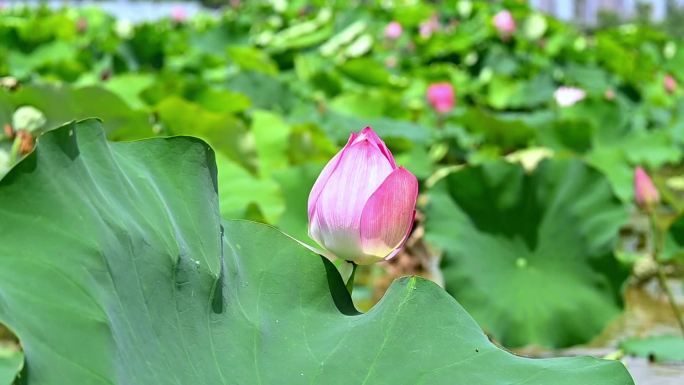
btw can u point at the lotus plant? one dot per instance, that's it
(362, 206)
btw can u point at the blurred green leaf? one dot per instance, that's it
(224, 132)
(658, 349)
(271, 136)
(530, 255)
(63, 104)
(11, 363)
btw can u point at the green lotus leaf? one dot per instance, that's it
(530, 255)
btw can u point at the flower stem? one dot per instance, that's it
(14, 151)
(350, 281)
(660, 274)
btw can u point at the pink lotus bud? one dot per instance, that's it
(81, 25)
(428, 27)
(670, 84)
(568, 96)
(178, 14)
(393, 30)
(362, 206)
(441, 97)
(504, 23)
(645, 191)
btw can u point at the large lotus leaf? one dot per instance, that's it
(117, 269)
(530, 255)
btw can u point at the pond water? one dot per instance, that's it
(137, 11)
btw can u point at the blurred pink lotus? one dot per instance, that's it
(179, 14)
(441, 97)
(362, 206)
(568, 96)
(504, 23)
(81, 25)
(645, 192)
(670, 84)
(429, 26)
(393, 30)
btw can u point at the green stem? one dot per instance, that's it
(350, 281)
(14, 151)
(660, 274)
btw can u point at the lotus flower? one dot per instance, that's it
(362, 206)
(568, 96)
(428, 27)
(504, 23)
(670, 84)
(393, 30)
(441, 97)
(178, 14)
(645, 191)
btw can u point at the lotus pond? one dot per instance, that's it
(515, 212)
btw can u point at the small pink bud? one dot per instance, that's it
(670, 84)
(429, 26)
(504, 23)
(568, 96)
(393, 30)
(441, 97)
(178, 14)
(645, 191)
(362, 206)
(81, 25)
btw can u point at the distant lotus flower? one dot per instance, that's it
(428, 27)
(81, 25)
(645, 191)
(504, 23)
(670, 84)
(568, 96)
(178, 14)
(393, 30)
(362, 206)
(609, 94)
(441, 97)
